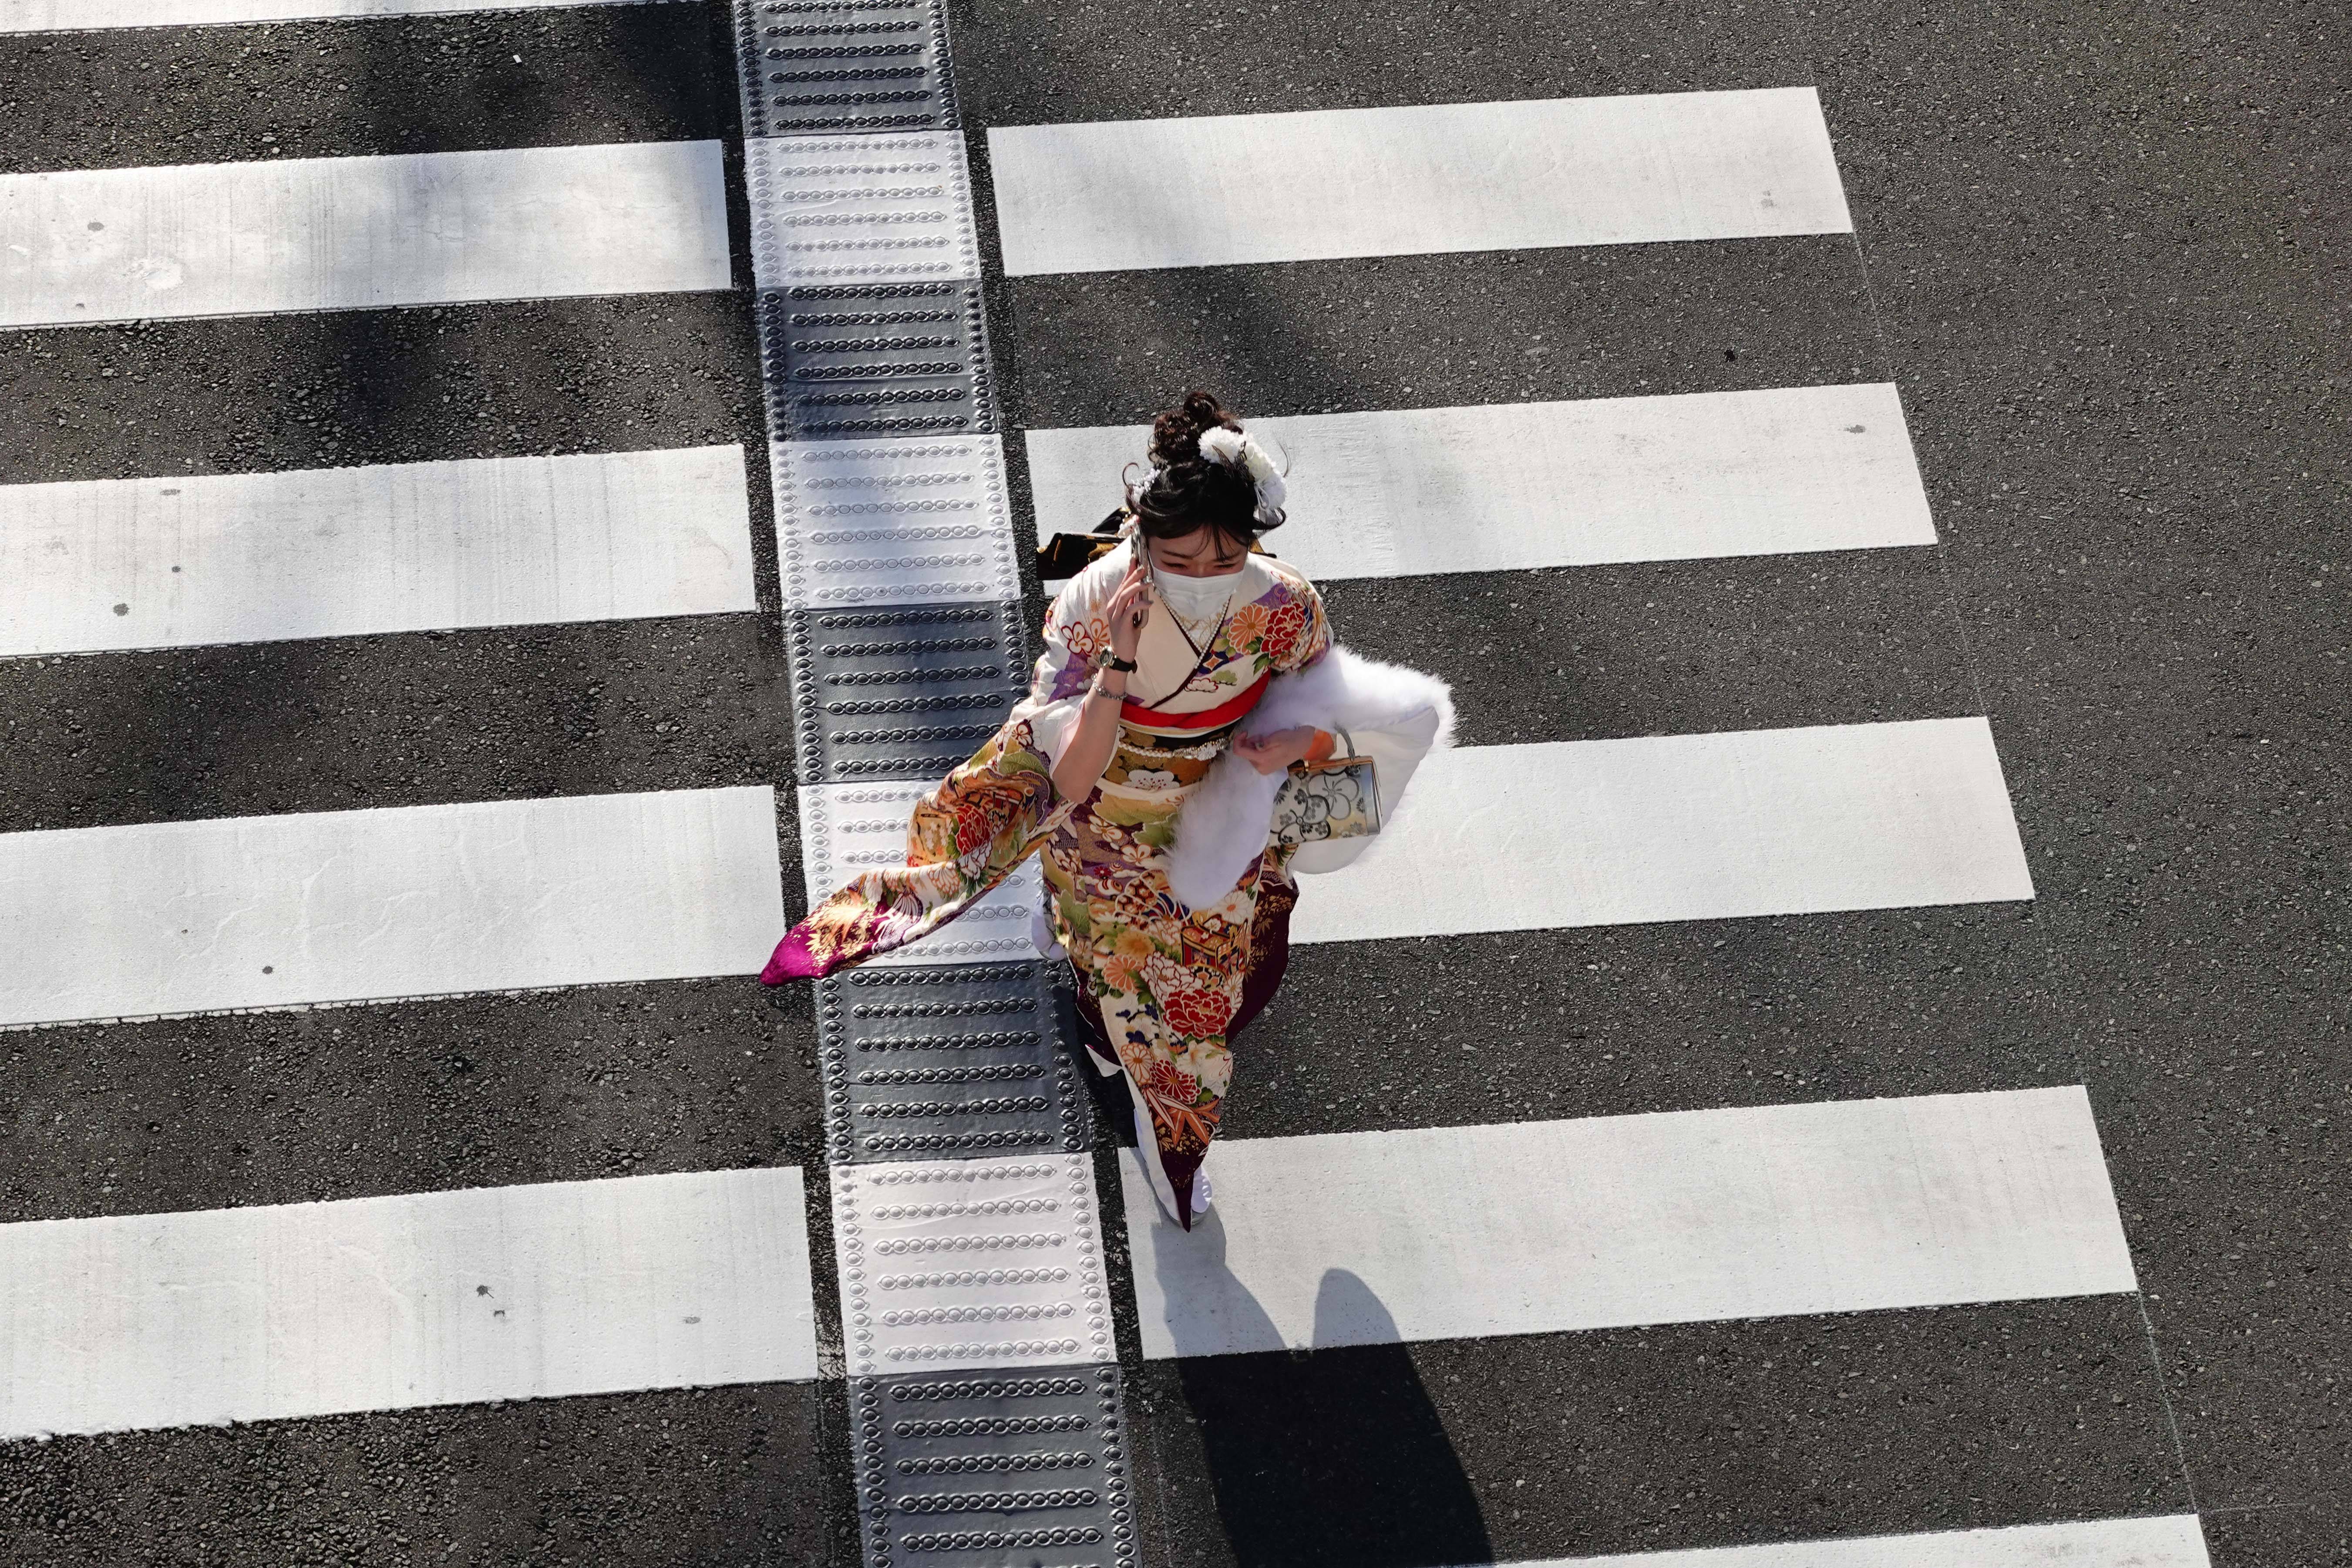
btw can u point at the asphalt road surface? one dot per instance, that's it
(360, 868)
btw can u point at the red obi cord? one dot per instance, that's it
(1217, 717)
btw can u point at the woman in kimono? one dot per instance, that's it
(1185, 673)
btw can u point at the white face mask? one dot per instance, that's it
(1197, 598)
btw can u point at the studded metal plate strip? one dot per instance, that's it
(865, 360)
(983, 1470)
(947, 1063)
(951, 1263)
(966, 1223)
(900, 693)
(867, 261)
(860, 209)
(892, 522)
(812, 66)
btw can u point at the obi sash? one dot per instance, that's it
(1203, 722)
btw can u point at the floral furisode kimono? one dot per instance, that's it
(1164, 982)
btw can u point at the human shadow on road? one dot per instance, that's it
(1330, 1456)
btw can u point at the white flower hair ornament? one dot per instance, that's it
(1239, 450)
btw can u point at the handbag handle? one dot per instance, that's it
(1347, 749)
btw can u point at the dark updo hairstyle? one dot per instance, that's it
(1186, 492)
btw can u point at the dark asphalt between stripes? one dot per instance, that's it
(143, 96)
(1621, 1020)
(309, 1106)
(332, 724)
(737, 1474)
(352, 388)
(1657, 1438)
(1438, 332)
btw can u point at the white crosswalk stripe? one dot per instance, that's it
(338, 234)
(1762, 822)
(1513, 487)
(1544, 1227)
(220, 558)
(186, 917)
(1411, 180)
(2166, 1540)
(386, 1303)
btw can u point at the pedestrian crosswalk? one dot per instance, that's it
(233, 912)
(386, 1303)
(1419, 1232)
(338, 234)
(185, 1283)
(105, 564)
(1523, 486)
(967, 1282)
(1551, 1227)
(1313, 184)
(1684, 827)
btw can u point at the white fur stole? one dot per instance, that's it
(1397, 716)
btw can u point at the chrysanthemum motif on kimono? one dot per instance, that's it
(964, 837)
(1167, 984)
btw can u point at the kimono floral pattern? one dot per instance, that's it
(964, 837)
(1282, 630)
(1166, 985)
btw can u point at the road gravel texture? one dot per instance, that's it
(2103, 251)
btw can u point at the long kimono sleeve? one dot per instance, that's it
(1076, 632)
(985, 817)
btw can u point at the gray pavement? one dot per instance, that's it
(2102, 251)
